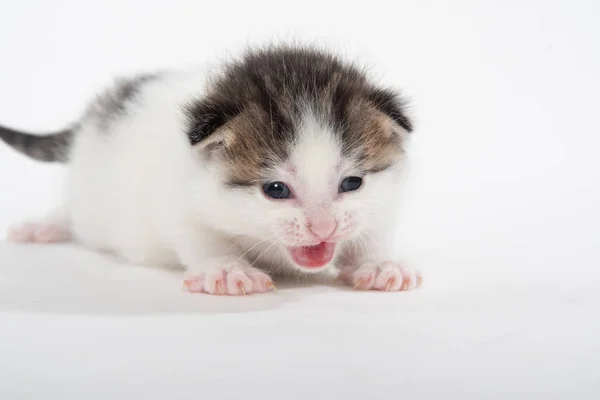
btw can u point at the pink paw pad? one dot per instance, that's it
(233, 280)
(387, 276)
(37, 233)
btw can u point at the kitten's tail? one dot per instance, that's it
(48, 148)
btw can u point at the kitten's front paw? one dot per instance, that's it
(388, 276)
(229, 276)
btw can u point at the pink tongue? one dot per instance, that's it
(313, 256)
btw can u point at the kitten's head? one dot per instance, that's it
(305, 146)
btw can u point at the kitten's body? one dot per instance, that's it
(172, 169)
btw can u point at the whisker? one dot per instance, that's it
(252, 247)
(238, 242)
(366, 233)
(371, 253)
(359, 241)
(273, 261)
(267, 249)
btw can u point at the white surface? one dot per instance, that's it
(501, 214)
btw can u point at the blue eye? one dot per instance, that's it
(350, 184)
(277, 190)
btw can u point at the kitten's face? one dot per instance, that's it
(323, 193)
(305, 149)
(318, 198)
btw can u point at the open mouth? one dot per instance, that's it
(313, 256)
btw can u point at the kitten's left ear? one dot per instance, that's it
(206, 117)
(392, 105)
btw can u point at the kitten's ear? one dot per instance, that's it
(206, 120)
(393, 106)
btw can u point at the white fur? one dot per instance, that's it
(141, 192)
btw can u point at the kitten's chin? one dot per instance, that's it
(312, 258)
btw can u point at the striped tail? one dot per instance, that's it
(46, 148)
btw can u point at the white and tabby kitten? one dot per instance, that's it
(287, 159)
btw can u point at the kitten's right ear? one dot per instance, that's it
(391, 104)
(205, 120)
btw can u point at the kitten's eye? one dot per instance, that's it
(350, 183)
(277, 190)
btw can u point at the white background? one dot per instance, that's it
(501, 211)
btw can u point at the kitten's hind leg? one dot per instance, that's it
(52, 228)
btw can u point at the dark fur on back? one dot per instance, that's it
(113, 102)
(260, 99)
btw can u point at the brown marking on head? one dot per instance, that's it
(373, 137)
(254, 108)
(251, 147)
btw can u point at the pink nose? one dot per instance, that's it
(322, 229)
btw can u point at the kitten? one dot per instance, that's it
(287, 159)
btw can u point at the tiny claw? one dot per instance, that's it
(271, 285)
(389, 284)
(359, 283)
(219, 287)
(405, 283)
(419, 280)
(187, 284)
(241, 287)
